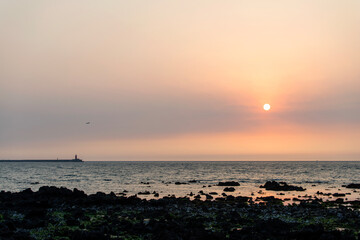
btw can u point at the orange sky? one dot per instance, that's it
(179, 78)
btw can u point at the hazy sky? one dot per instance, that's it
(173, 78)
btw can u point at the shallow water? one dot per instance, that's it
(327, 177)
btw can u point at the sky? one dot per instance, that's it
(179, 79)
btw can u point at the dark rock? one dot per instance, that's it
(89, 235)
(231, 183)
(213, 193)
(313, 231)
(5, 232)
(100, 194)
(27, 191)
(33, 223)
(22, 235)
(242, 199)
(209, 197)
(339, 194)
(220, 199)
(72, 222)
(281, 186)
(230, 198)
(37, 212)
(229, 189)
(179, 183)
(353, 185)
(270, 199)
(144, 193)
(78, 193)
(339, 200)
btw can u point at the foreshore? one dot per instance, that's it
(61, 213)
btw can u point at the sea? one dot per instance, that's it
(185, 178)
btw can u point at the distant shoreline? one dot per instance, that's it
(44, 160)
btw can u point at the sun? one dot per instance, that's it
(266, 107)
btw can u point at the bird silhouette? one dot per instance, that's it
(88, 123)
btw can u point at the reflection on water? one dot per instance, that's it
(119, 176)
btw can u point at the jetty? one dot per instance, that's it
(76, 159)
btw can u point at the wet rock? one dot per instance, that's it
(197, 197)
(213, 193)
(144, 193)
(33, 223)
(339, 200)
(281, 186)
(27, 191)
(270, 199)
(230, 198)
(180, 183)
(22, 235)
(229, 189)
(353, 185)
(324, 194)
(339, 194)
(72, 222)
(193, 181)
(36, 212)
(78, 193)
(242, 199)
(89, 235)
(208, 197)
(220, 199)
(5, 232)
(230, 183)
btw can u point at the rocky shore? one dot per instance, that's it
(61, 213)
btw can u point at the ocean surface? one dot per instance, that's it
(135, 177)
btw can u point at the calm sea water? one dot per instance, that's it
(119, 176)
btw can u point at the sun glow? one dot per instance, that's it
(266, 107)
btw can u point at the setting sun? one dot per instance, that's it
(266, 107)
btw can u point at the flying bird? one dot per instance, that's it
(88, 123)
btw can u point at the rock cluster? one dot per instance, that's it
(281, 186)
(353, 185)
(61, 213)
(229, 184)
